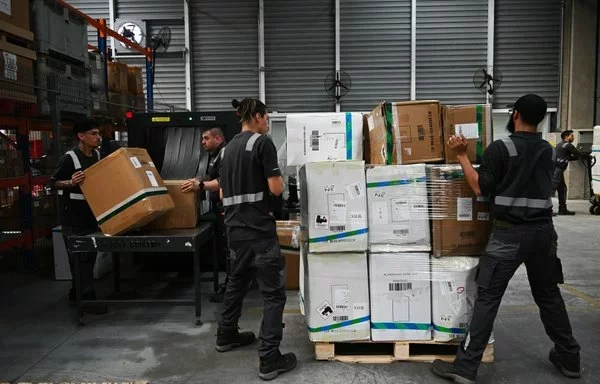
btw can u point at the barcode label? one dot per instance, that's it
(339, 205)
(401, 232)
(314, 140)
(449, 286)
(341, 306)
(421, 132)
(397, 287)
(337, 228)
(340, 318)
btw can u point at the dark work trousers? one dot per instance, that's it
(558, 184)
(263, 256)
(508, 247)
(222, 251)
(88, 259)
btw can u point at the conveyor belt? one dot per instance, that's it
(184, 155)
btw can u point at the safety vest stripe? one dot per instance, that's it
(75, 159)
(76, 196)
(510, 146)
(97, 154)
(240, 199)
(251, 141)
(523, 202)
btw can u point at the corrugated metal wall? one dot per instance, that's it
(225, 52)
(451, 46)
(527, 49)
(375, 51)
(299, 53)
(169, 82)
(97, 9)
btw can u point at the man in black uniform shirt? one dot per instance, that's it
(565, 152)
(76, 217)
(213, 142)
(516, 173)
(250, 176)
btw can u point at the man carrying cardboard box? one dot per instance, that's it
(213, 141)
(76, 217)
(516, 173)
(250, 174)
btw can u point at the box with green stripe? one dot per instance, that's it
(400, 293)
(334, 206)
(125, 191)
(336, 296)
(323, 136)
(474, 122)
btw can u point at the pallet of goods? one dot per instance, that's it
(389, 249)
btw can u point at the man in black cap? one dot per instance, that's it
(76, 217)
(516, 174)
(565, 152)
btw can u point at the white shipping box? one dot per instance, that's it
(596, 167)
(453, 292)
(323, 136)
(398, 208)
(334, 206)
(337, 297)
(400, 289)
(62, 270)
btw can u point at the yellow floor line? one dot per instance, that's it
(583, 296)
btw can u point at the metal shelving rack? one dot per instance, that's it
(23, 125)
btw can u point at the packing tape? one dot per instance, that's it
(479, 153)
(348, 136)
(389, 138)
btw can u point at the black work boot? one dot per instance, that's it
(448, 371)
(565, 212)
(227, 340)
(273, 366)
(567, 364)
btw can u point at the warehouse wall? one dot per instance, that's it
(375, 50)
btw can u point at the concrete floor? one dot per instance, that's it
(40, 341)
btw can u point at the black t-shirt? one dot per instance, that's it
(75, 211)
(566, 152)
(213, 171)
(248, 161)
(516, 173)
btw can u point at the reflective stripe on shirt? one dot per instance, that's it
(523, 202)
(240, 199)
(510, 146)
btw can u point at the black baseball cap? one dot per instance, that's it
(532, 108)
(84, 125)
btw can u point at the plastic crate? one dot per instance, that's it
(97, 70)
(59, 31)
(71, 84)
(99, 107)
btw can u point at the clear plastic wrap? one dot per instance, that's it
(289, 233)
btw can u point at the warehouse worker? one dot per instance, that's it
(213, 141)
(76, 217)
(250, 176)
(565, 152)
(516, 173)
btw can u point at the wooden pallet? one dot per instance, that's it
(369, 352)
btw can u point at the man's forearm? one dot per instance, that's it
(212, 185)
(470, 173)
(63, 184)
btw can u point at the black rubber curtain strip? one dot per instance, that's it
(184, 154)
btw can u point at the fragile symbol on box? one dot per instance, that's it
(321, 222)
(325, 310)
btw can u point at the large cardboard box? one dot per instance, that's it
(118, 74)
(183, 215)
(406, 133)
(15, 12)
(453, 292)
(400, 289)
(461, 220)
(292, 268)
(398, 208)
(474, 122)
(323, 136)
(125, 191)
(334, 206)
(337, 297)
(288, 233)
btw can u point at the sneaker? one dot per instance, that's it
(271, 367)
(568, 365)
(565, 212)
(448, 371)
(226, 341)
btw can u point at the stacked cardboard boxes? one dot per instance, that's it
(596, 167)
(136, 100)
(118, 87)
(334, 229)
